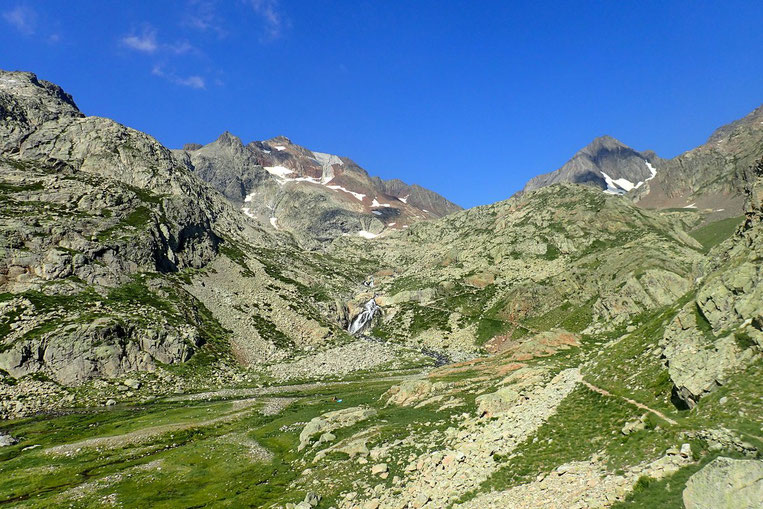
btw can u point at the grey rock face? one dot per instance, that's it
(26, 103)
(604, 155)
(721, 331)
(708, 177)
(88, 204)
(7, 440)
(103, 348)
(726, 483)
(317, 197)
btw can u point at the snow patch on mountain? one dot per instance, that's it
(612, 187)
(359, 196)
(623, 185)
(652, 170)
(367, 235)
(278, 171)
(274, 222)
(279, 148)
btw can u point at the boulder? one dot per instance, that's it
(408, 392)
(494, 403)
(312, 499)
(726, 483)
(6, 440)
(333, 420)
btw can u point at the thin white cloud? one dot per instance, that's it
(274, 20)
(193, 81)
(22, 18)
(147, 42)
(202, 15)
(144, 42)
(179, 47)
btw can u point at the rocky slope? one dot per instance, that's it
(563, 347)
(108, 241)
(565, 255)
(707, 178)
(721, 329)
(314, 196)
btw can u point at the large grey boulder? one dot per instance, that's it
(333, 420)
(6, 440)
(726, 483)
(494, 403)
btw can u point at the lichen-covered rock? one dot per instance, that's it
(726, 483)
(7, 440)
(106, 347)
(408, 392)
(494, 403)
(333, 420)
(695, 363)
(721, 331)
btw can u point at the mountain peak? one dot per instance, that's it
(280, 139)
(605, 142)
(602, 163)
(228, 139)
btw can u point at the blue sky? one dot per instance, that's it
(470, 99)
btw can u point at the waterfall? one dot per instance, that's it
(363, 319)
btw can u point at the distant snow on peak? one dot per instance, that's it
(359, 196)
(278, 171)
(612, 187)
(623, 185)
(279, 148)
(367, 235)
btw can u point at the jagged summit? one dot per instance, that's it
(226, 138)
(602, 144)
(314, 195)
(705, 178)
(606, 163)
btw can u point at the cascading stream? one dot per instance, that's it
(364, 317)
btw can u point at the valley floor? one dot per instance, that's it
(490, 432)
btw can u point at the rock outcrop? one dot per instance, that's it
(331, 421)
(721, 330)
(726, 483)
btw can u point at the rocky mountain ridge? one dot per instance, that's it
(159, 347)
(98, 223)
(317, 197)
(706, 178)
